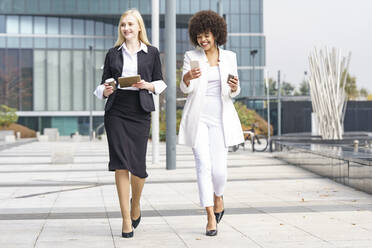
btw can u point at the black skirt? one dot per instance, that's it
(127, 126)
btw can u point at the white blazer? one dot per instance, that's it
(196, 94)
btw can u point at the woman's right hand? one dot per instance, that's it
(192, 74)
(108, 90)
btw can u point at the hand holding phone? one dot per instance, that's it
(194, 64)
(232, 81)
(195, 70)
(230, 76)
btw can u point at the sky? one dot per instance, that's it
(294, 27)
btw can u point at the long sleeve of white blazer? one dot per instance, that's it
(196, 91)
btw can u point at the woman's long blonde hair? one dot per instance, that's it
(142, 36)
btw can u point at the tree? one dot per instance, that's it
(304, 88)
(350, 86)
(287, 88)
(272, 90)
(363, 92)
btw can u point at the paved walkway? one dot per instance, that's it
(268, 203)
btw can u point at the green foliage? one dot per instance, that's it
(246, 115)
(363, 92)
(163, 124)
(7, 116)
(304, 89)
(287, 88)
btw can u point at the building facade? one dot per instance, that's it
(48, 72)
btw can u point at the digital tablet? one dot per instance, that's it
(128, 81)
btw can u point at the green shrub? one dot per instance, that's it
(7, 116)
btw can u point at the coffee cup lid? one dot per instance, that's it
(109, 80)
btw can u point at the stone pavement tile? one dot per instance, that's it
(82, 196)
(192, 230)
(266, 228)
(75, 243)
(302, 244)
(19, 232)
(76, 233)
(330, 230)
(151, 232)
(32, 197)
(353, 243)
(314, 222)
(362, 219)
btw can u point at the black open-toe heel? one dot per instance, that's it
(136, 222)
(220, 214)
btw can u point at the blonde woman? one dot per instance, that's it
(128, 112)
(210, 122)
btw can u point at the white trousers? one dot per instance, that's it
(210, 152)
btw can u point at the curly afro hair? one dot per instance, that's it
(205, 21)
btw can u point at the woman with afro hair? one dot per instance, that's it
(210, 123)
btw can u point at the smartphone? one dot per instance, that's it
(194, 64)
(230, 76)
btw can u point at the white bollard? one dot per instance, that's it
(10, 139)
(62, 153)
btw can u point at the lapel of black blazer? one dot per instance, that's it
(120, 61)
(140, 58)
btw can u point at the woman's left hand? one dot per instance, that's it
(233, 83)
(144, 85)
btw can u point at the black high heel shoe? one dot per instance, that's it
(136, 222)
(127, 235)
(211, 232)
(220, 214)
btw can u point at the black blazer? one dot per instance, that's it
(149, 67)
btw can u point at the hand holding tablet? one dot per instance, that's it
(128, 81)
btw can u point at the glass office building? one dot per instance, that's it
(48, 72)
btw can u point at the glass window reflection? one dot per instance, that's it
(52, 25)
(78, 26)
(12, 25)
(2, 24)
(26, 25)
(66, 25)
(39, 25)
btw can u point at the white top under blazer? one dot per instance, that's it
(197, 91)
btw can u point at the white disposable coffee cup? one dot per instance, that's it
(109, 80)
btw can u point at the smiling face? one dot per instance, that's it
(206, 40)
(129, 27)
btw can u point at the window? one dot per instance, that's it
(52, 25)
(77, 79)
(78, 26)
(39, 25)
(2, 24)
(65, 25)
(65, 87)
(39, 80)
(12, 25)
(26, 25)
(52, 80)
